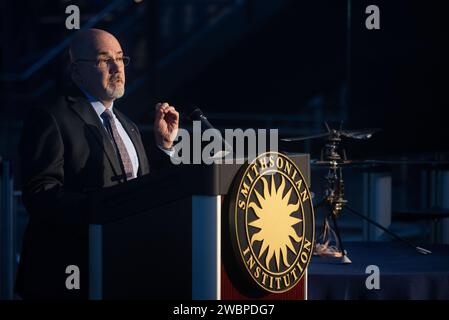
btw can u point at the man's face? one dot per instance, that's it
(104, 77)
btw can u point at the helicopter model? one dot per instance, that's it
(333, 157)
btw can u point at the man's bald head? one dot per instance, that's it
(88, 43)
(97, 64)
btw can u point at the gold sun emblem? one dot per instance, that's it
(275, 222)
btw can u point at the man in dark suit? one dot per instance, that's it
(69, 150)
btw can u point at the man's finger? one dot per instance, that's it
(161, 106)
(159, 114)
(171, 109)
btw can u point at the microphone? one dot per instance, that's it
(198, 115)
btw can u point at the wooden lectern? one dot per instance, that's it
(161, 236)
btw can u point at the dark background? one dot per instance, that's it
(223, 57)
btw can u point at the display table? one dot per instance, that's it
(404, 273)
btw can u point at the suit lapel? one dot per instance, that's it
(86, 112)
(135, 138)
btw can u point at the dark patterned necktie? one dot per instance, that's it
(109, 122)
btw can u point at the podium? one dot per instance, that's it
(165, 236)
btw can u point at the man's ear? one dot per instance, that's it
(75, 74)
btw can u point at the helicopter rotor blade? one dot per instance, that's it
(353, 134)
(320, 135)
(359, 134)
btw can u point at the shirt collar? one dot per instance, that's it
(97, 105)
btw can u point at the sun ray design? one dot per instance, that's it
(275, 222)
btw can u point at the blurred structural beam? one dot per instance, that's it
(6, 232)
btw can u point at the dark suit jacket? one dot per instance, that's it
(65, 155)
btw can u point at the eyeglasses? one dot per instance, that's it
(106, 63)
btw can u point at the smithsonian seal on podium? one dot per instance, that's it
(272, 222)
